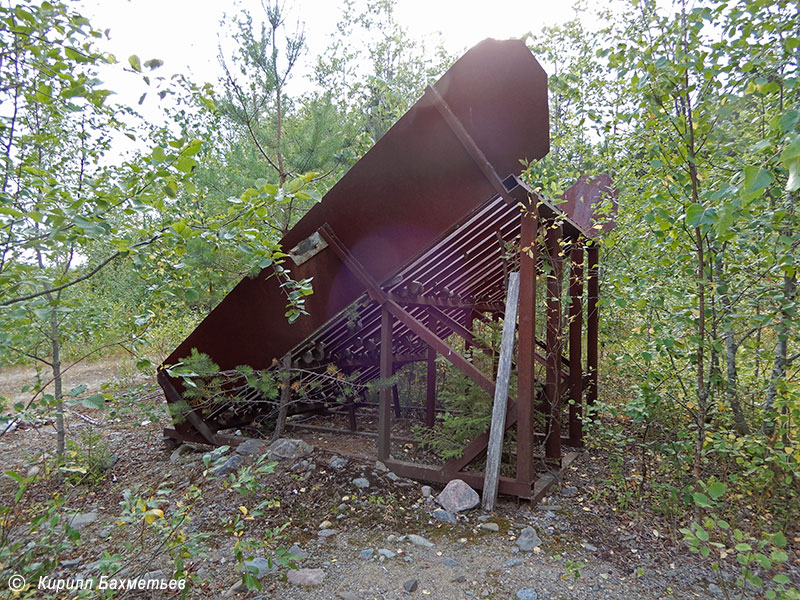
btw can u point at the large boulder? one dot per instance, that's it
(458, 496)
(288, 449)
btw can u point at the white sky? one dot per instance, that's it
(185, 33)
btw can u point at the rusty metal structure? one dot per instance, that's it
(410, 248)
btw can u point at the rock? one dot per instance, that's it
(528, 540)
(589, 547)
(441, 514)
(426, 491)
(297, 551)
(234, 463)
(72, 562)
(366, 553)
(494, 527)
(450, 562)
(527, 594)
(361, 482)
(458, 579)
(511, 563)
(458, 496)
(260, 567)
(411, 585)
(251, 447)
(379, 466)
(418, 540)
(305, 576)
(348, 596)
(569, 492)
(716, 590)
(104, 533)
(392, 477)
(338, 463)
(154, 575)
(81, 519)
(386, 553)
(288, 449)
(325, 524)
(325, 533)
(33, 472)
(180, 452)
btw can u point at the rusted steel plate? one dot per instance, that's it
(414, 185)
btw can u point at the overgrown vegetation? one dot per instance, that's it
(691, 107)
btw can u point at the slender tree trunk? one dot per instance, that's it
(58, 392)
(731, 347)
(781, 352)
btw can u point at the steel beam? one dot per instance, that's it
(575, 337)
(552, 385)
(526, 346)
(592, 323)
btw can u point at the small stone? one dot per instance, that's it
(104, 533)
(569, 492)
(411, 585)
(338, 463)
(325, 533)
(458, 496)
(379, 466)
(154, 575)
(511, 563)
(72, 562)
(418, 540)
(392, 477)
(348, 596)
(528, 540)
(426, 491)
(33, 472)
(493, 527)
(251, 447)
(589, 547)
(260, 567)
(366, 553)
(229, 466)
(715, 589)
(386, 553)
(527, 594)
(289, 449)
(361, 482)
(81, 519)
(305, 576)
(450, 562)
(458, 579)
(298, 552)
(441, 514)
(325, 524)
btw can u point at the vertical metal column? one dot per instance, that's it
(384, 416)
(430, 397)
(527, 346)
(592, 323)
(575, 338)
(552, 385)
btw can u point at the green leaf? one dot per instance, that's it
(135, 63)
(779, 540)
(755, 182)
(781, 579)
(77, 391)
(715, 490)
(743, 547)
(790, 158)
(697, 215)
(96, 401)
(701, 500)
(788, 120)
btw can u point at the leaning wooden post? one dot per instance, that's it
(592, 323)
(430, 396)
(553, 340)
(286, 396)
(575, 350)
(494, 451)
(527, 345)
(384, 416)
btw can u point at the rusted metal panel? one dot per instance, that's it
(414, 185)
(591, 204)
